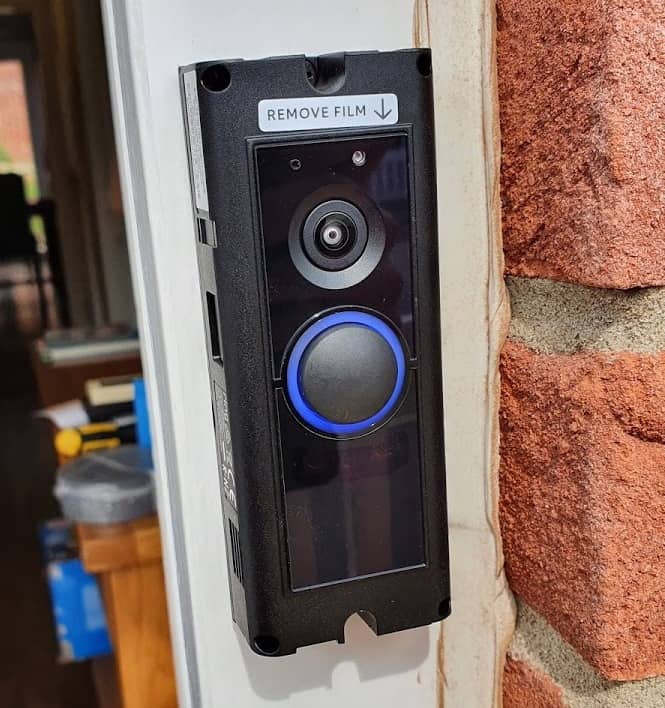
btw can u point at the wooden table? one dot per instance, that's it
(128, 560)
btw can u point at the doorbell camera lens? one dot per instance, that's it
(335, 243)
(334, 235)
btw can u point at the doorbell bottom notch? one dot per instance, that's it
(313, 185)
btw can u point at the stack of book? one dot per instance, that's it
(109, 398)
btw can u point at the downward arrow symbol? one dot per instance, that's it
(384, 113)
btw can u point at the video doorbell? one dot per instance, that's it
(313, 182)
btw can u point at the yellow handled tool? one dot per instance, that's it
(72, 442)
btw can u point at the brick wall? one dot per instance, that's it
(582, 509)
(15, 138)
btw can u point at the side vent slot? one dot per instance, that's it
(213, 327)
(236, 555)
(207, 231)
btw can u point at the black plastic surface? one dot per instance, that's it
(354, 508)
(381, 279)
(320, 528)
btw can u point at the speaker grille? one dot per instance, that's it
(236, 555)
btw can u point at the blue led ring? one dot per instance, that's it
(298, 400)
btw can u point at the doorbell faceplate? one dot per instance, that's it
(313, 185)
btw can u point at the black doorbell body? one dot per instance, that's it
(313, 181)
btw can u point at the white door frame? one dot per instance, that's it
(475, 315)
(146, 42)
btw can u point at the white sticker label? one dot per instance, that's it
(284, 114)
(224, 443)
(195, 141)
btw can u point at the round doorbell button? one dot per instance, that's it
(346, 373)
(356, 358)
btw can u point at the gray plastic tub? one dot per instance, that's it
(112, 486)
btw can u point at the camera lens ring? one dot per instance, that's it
(336, 219)
(371, 256)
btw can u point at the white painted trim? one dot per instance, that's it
(146, 41)
(475, 315)
(125, 64)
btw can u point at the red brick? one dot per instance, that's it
(582, 503)
(582, 103)
(15, 137)
(526, 687)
